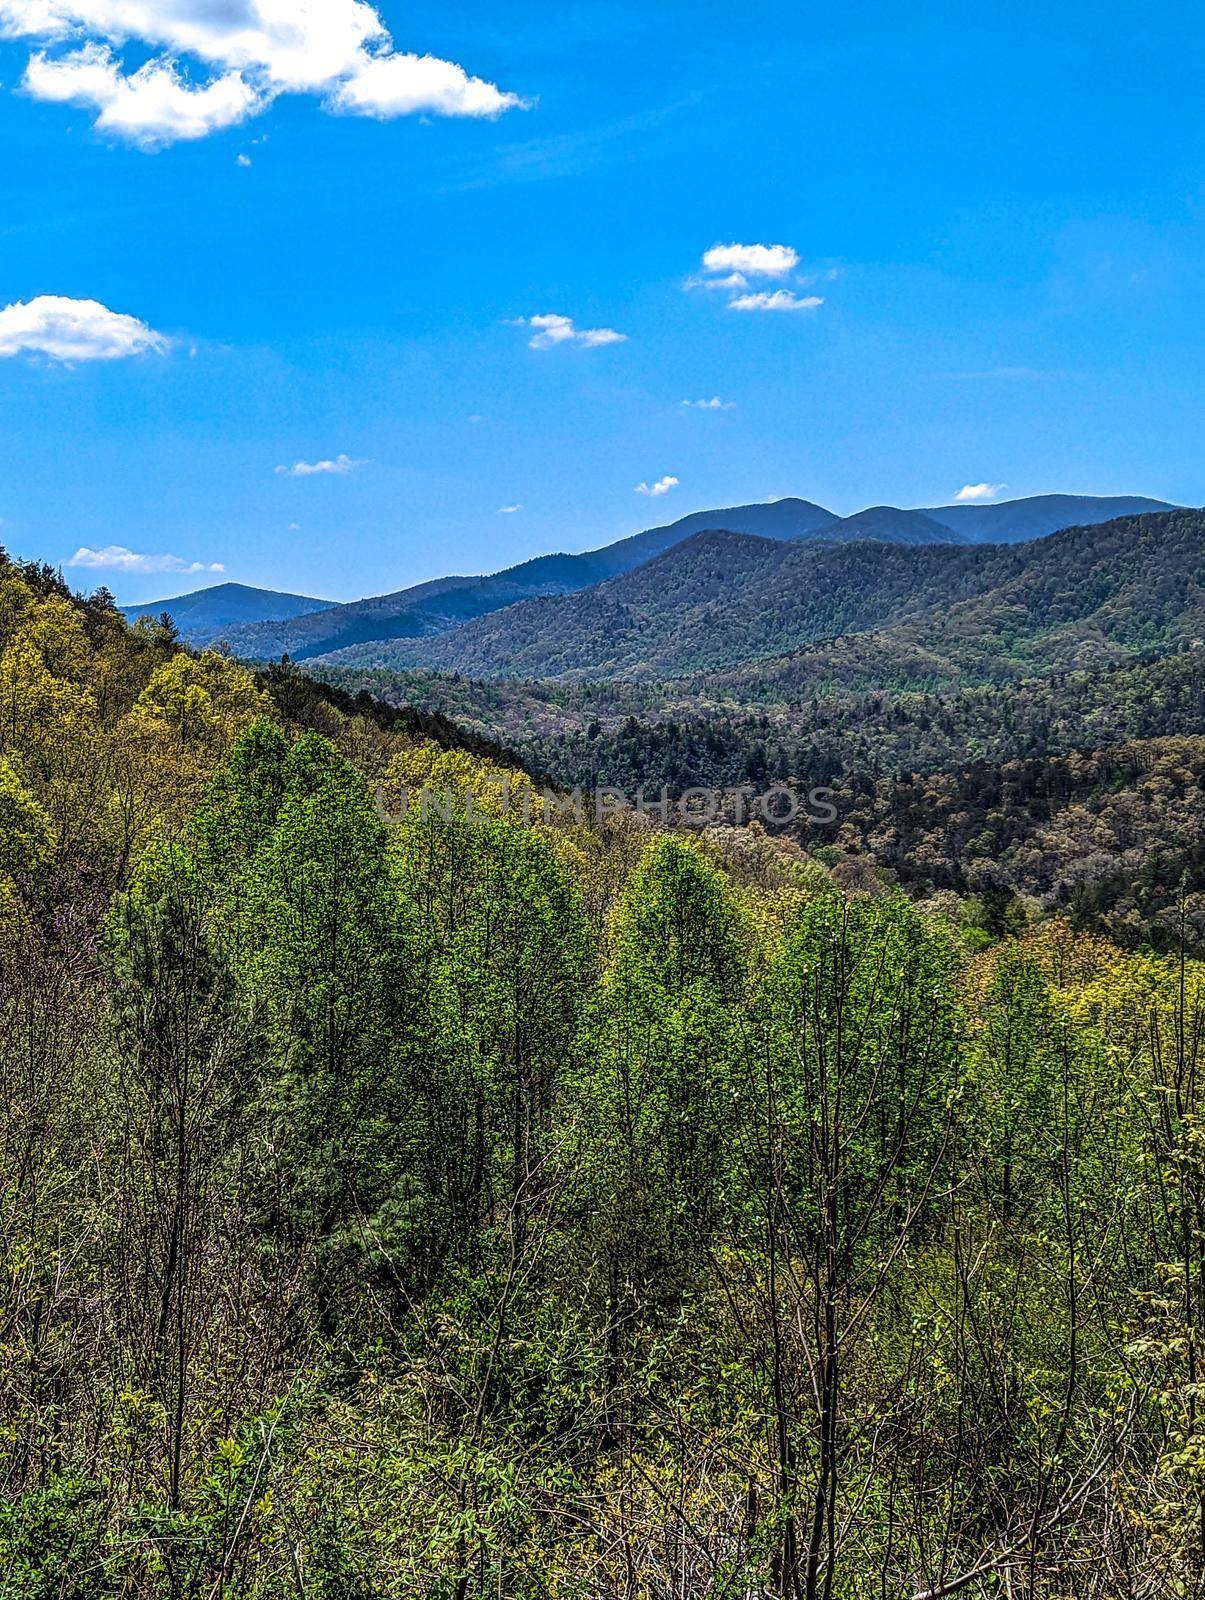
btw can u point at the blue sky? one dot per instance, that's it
(1000, 207)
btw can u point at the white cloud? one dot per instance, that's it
(74, 330)
(550, 329)
(732, 266)
(730, 280)
(338, 467)
(751, 260)
(151, 107)
(116, 558)
(243, 161)
(590, 337)
(714, 404)
(779, 300)
(508, 511)
(979, 491)
(662, 486)
(398, 85)
(248, 52)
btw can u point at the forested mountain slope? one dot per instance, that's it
(410, 613)
(773, 519)
(896, 526)
(1081, 790)
(715, 599)
(673, 734)
(888, 615)
(1113, 837)
(1085, 597)
(108, 732)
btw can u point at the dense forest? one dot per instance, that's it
(675, 734)
(1077, 794)
(460, 1208)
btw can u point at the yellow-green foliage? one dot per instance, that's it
(455, 774)
(26, 832)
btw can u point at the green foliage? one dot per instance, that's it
(467, 1208)
(52, 1542)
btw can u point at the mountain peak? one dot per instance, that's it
(204, 614)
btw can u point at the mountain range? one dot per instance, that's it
(260, 624)
(723, 603)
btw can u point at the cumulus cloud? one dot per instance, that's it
(778, 300)
(714, 404)
(338, 467)
(550, 329)
(979, 491)
(508, 511)
(735, 270)
(397, 85)
(63, 329)
(751, 261)
(116, 558)
(247, 53)
(152, 106)
(662, 486)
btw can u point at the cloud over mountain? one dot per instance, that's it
(116, 558)
(971, 492)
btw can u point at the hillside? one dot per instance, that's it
(563, 1055)
(441, 1131)
(862, 614)
(409, 613)
(714, 600)
(201, 616)
(1082, 598)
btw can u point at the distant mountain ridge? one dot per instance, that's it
(200, 617)
(440, 605)
(891, 525)
(1014, 521)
